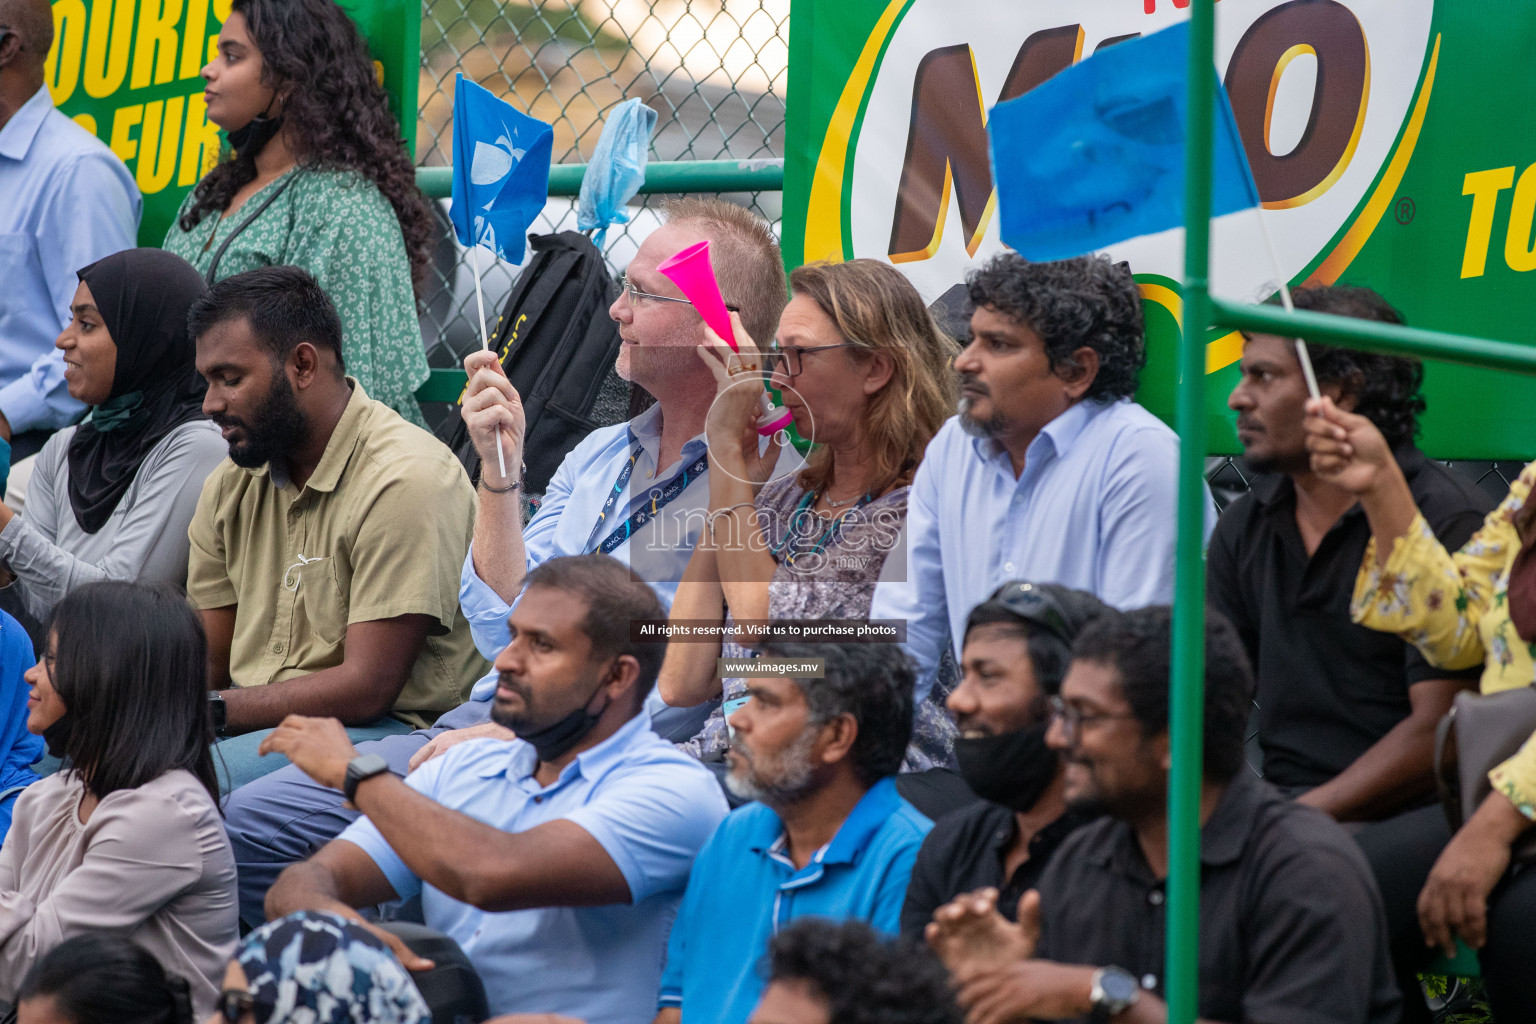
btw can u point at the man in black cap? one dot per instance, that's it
(1016, 649)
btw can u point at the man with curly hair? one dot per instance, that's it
(1346, 716)
(829, 972)
(1050, 472)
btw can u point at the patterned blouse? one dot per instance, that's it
(831, 580)
(338, 226)
(1453, 609)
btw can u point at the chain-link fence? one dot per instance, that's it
(713, 70)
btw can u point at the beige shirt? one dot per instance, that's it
(152, 865)
(379, 530)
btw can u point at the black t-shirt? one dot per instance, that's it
(965, 852)
(1291, 927)
(1327, 689)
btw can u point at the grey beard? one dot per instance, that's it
(794, 776)
(979, 428)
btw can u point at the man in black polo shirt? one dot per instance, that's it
(1291, 926)
(1017, 646)
(1346, 715)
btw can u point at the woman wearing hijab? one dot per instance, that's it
(112, 497)
(317, 968)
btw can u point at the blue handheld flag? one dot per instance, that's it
(500, 171)
(1095, 155)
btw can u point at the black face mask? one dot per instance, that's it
(558, 737)
(1011, 769)
(249, 140)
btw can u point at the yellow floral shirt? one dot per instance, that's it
(1453, 608)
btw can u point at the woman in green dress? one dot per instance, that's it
(320, 179)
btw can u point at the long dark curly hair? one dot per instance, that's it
(336, 114)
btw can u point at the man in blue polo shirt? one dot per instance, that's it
(555, 860)
(828, 836)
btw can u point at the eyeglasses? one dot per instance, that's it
(235, 1003)
(1072, 717)
(1036, 606)
(786, 359)
(635, 294)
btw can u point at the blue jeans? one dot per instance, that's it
(236, 761)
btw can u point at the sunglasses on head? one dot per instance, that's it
(1037, 607)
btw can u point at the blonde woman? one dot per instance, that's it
(865, 371)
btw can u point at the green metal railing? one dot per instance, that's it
(668, 176)
(1202, 312)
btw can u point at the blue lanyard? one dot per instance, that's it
(660, 498)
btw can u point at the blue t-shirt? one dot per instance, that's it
(650, 807)
(745, 888)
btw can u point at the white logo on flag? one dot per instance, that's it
(492, 163)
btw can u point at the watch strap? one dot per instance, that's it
(365, 766)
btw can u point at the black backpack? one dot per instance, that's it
(558, 346)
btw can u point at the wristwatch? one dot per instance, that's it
(219, 711)
(360, 768)
(1114, 990)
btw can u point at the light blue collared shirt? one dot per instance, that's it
(659, 550)
(66, 201)
(745, 889)
(650, 806)
(1095, 509)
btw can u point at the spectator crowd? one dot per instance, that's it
(300, 721)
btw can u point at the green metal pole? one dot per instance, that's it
(1186, 717)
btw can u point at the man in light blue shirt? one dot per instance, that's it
(277, 819)
(556, 860)
(67, 202)
(1050, 472)
(829, 836)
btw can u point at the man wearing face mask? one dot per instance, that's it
(556, 860)
(1017, 646)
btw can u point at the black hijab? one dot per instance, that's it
(143, 296)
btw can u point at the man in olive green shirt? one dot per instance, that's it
(326, 550)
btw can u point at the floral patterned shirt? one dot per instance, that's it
(338, 226)
(1453, 608)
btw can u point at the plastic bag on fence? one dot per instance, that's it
(617, 168)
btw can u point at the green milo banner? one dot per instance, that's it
(1391, 141)
(128, 70)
